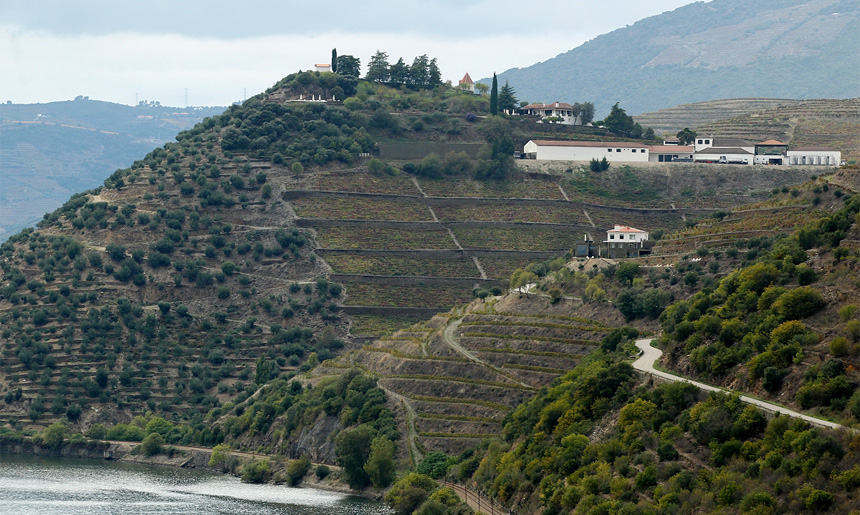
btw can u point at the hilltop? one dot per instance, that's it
(50, 151)
(798, 49)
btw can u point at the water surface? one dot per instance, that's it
(46, 486)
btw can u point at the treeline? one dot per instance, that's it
(422, 73)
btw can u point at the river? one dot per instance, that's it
(45, 486)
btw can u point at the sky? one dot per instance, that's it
(216, 52)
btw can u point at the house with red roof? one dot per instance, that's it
(625, 241)
(556, 112)
(324, 67)
(561, 150)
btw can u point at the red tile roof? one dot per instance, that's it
(771, 142)
(466, 79)
(626, 228)
(554, 105)
(608, 144)
(323, 65)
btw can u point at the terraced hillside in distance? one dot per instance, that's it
(788, 210)
(824, 123)
(670, 120)
(459, 373)
(406, 246)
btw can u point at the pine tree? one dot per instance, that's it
(494, 96)
(334, 60)
(378, 68)
(507, 99)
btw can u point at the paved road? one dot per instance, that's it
(650, 355)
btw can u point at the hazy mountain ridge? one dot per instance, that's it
(52, 150)
(703, 51)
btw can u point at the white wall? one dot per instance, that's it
(654, 157)
(814, 157)
(559, 153)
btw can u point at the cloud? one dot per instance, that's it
(116, 67)
(217, 49)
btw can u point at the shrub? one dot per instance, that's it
(152, 444)
(297, 469)
(847, 312)
(799, 303)
(256, 471)
(322, 472)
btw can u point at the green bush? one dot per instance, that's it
(256, 471)
(152, 444)
(297, 469)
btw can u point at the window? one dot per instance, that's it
(700, 142)
(611, 236)
(707, 142)
(609, 150)
(618, 150)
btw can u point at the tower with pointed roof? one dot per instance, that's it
(467, 83)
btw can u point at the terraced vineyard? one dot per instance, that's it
(458, 375)
(399, 265)
(377, 238)
(563, 213)
(698, 114)
(456, 233)
(828, 123)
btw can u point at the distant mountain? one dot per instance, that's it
(721, 49)
(49, 151)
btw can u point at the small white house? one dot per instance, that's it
(322, 67)
(561, 110)
(814, 156)
(626, 234)
(624, 241)
(613, 151)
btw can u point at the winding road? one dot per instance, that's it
(650, 355)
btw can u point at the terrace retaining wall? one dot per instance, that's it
(405, 312)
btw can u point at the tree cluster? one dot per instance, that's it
(619, 122)
(423, 73)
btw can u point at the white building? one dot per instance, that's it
(814, 156)
(624, 241)
(626, 234)
(669, 153)
(561, 110)
(322, 67)
(614, 151)
(729, 155)
(704, 142)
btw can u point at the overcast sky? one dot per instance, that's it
(118, 50)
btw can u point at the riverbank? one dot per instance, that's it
(172, 456)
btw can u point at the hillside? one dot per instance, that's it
(671, 120)
(822, 123)
(50, 151)
(231, 289)
(705, 51)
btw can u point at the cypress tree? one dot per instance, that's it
(334, 60)
(494, 96)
